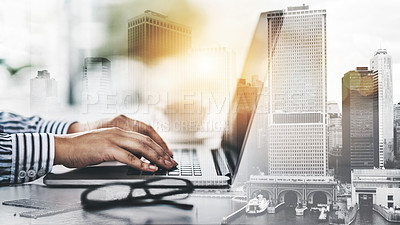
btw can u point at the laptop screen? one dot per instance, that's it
(245, 100)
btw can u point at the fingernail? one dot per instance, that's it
(168, 163)
(152, 167)
(173, 160)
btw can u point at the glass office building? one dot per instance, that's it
(360, 121)
(297, 92)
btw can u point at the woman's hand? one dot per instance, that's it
(125, 123)
(111, 144)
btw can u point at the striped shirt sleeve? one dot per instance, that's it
(11, 123)
(25, 157)
(27, 146)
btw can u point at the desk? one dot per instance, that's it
(207, 210)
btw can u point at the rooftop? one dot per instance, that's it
(297, 8)
(381, 51)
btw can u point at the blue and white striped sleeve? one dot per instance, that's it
(25, 157)
(27, 147)
(12, 123)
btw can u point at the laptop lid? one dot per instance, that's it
(245, 101)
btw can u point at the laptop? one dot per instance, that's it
(201, 164)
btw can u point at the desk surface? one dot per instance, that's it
(207, 209)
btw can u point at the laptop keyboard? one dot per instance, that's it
(188, 165)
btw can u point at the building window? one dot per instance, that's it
(390, 205)
(390, 197)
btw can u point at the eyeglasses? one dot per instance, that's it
(144, 193)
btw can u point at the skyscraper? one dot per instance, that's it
(96, 85)
(297, 91)
(152, 37)
(360, 121)
(381, 64)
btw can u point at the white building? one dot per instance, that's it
(376, 186)
(381, 64)
(97, 89)
(297, 92)
(43, 93)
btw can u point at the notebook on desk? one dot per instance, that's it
(204, 166)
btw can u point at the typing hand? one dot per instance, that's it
(110, 144)
(124, 123)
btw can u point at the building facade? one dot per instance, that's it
(297, 92)
(153, 37)
(97, 88)
(360, 121)
(396, 130)
(381, 64)
(293, 190)
(334, 137)
(376, 187)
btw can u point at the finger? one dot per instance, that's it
(140, 144)
(131, 160)
(149, 131)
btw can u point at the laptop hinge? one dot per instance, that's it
(221, 166)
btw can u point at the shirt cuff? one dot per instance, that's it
(54, 126)
(33, 156)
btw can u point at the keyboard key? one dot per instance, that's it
(173, 174)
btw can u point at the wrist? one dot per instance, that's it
(76, 128)
(60, 149)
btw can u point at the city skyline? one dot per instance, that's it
(335, 69)
(350, 43)
(324, 136)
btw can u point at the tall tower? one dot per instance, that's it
(152, 37)
(96, 85)
(297, 92)
(381, 64)
(360, 121)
